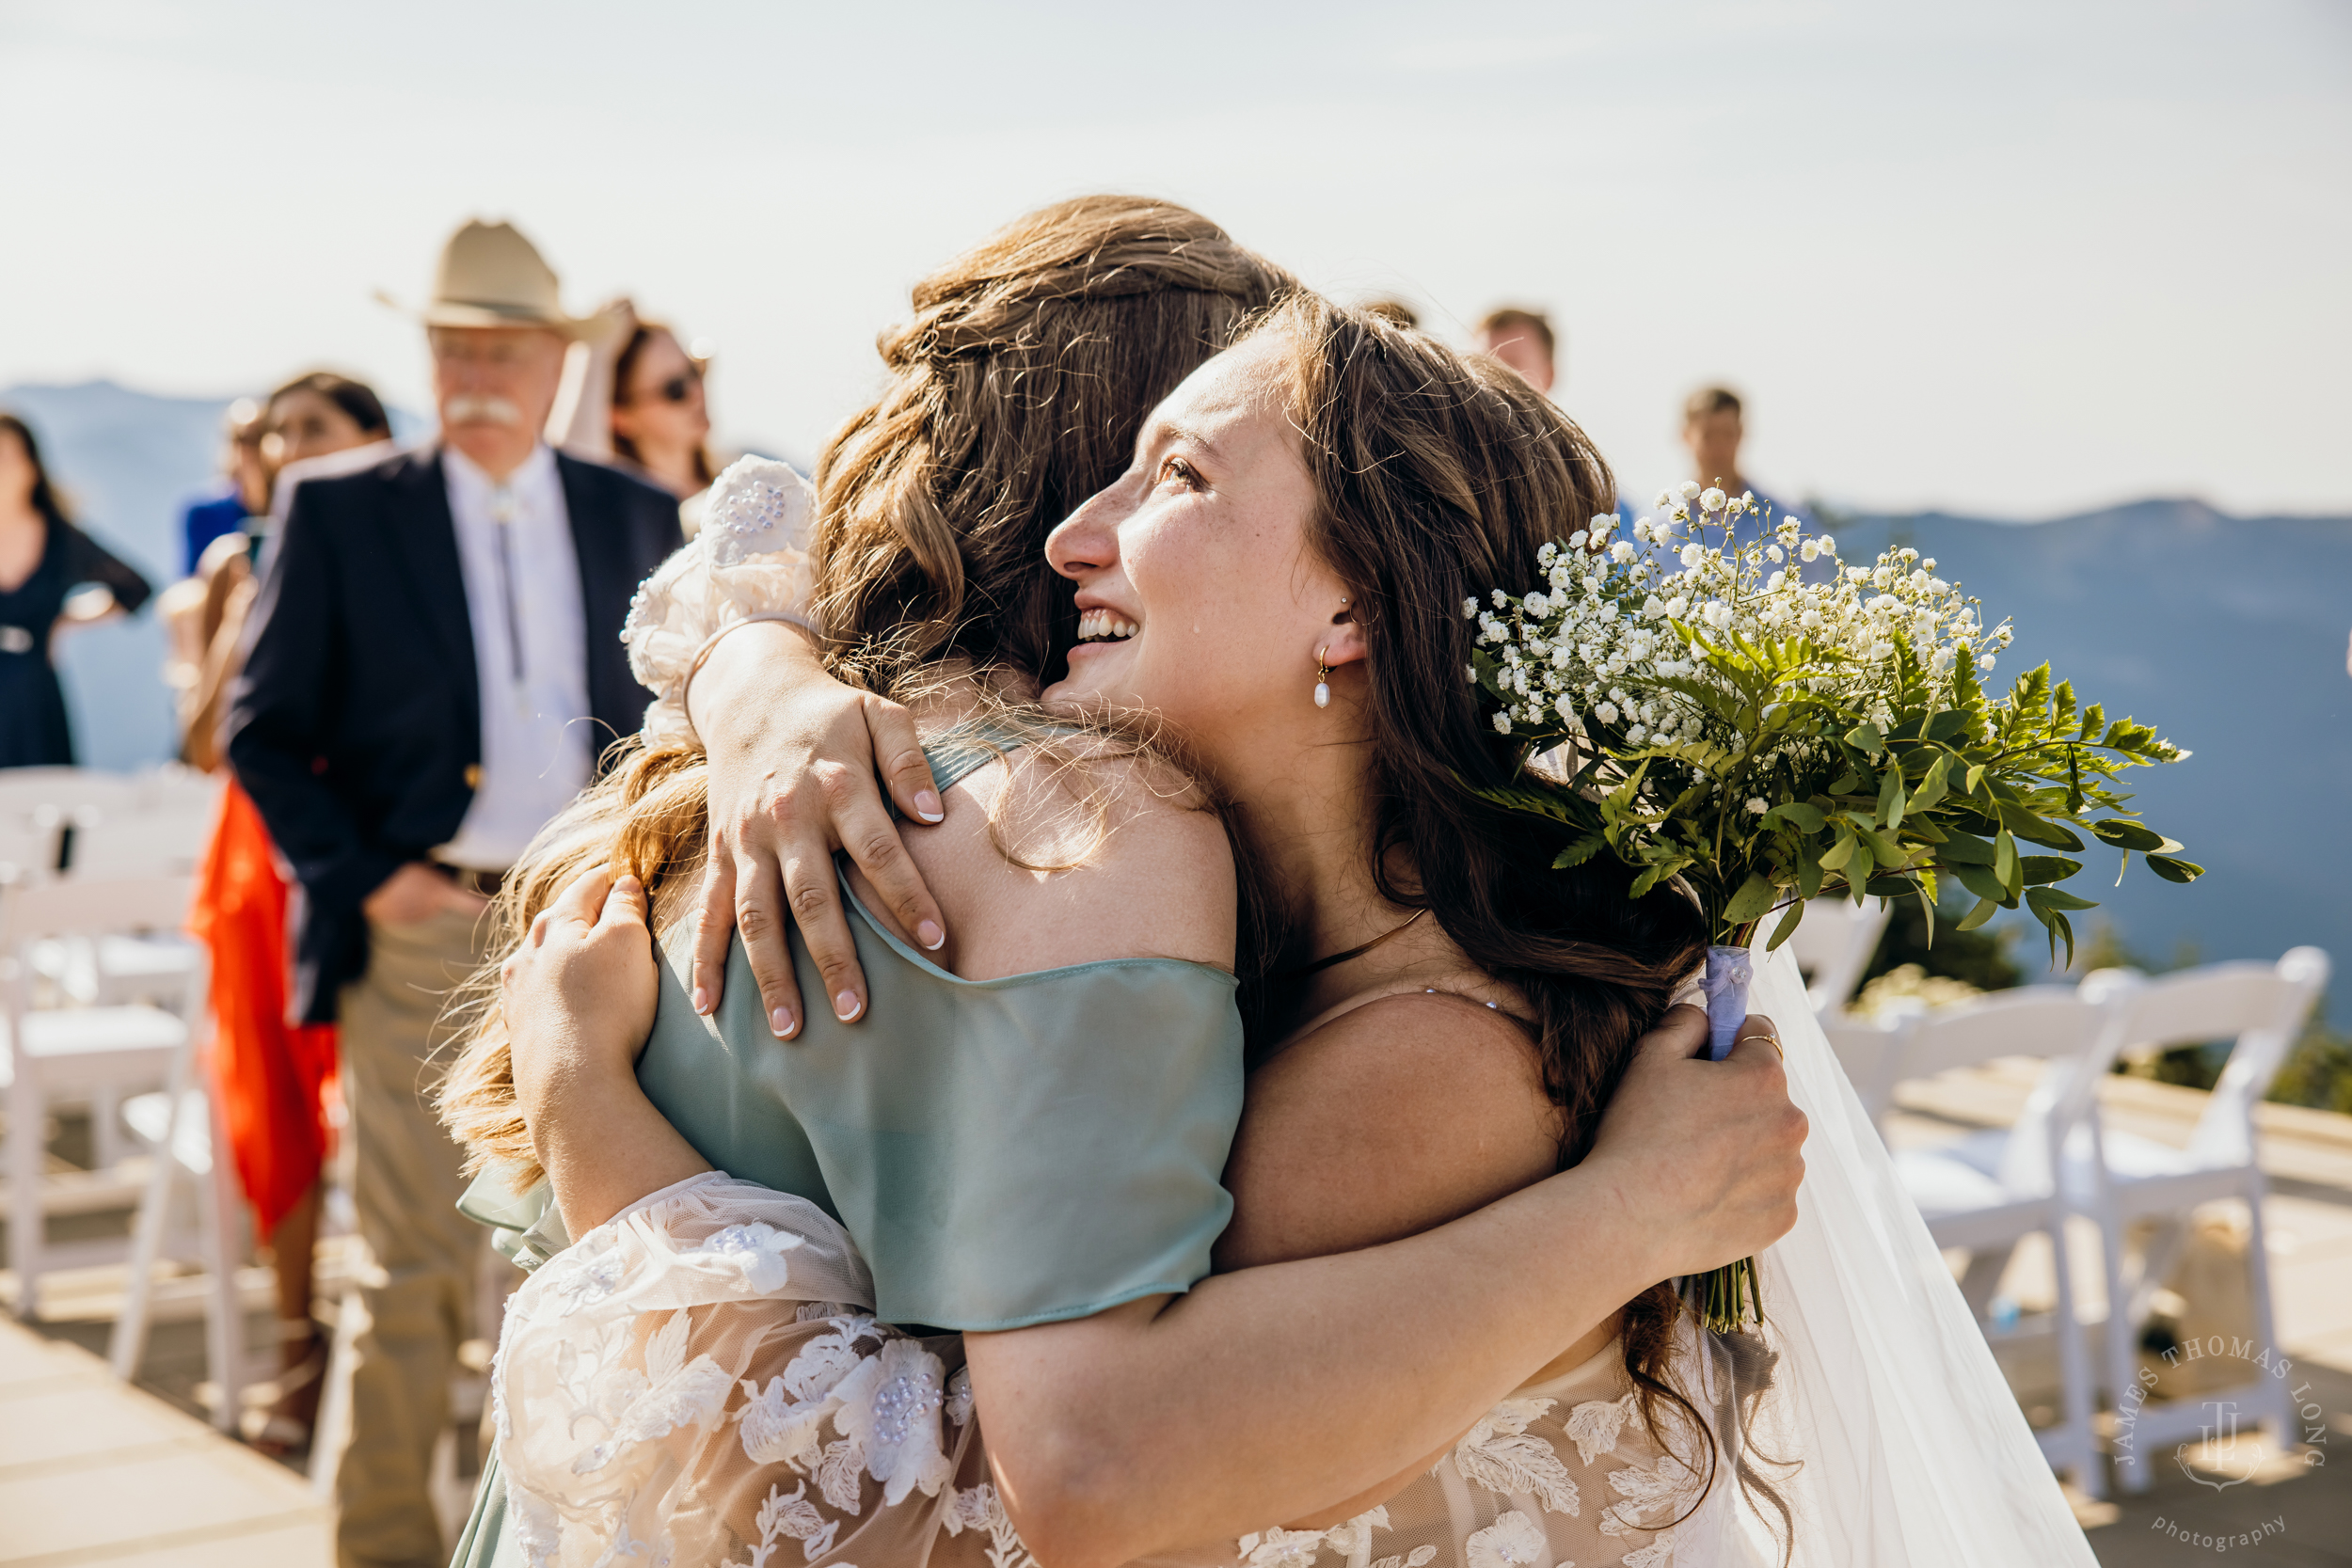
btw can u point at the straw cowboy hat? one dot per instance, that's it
(490, 276)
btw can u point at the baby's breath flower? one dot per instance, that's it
(1692, 555)
(1622, 551)
(1502, 723)
(1606, 713)
(1576, 540)
(1712, 500)
(1772, 553)
(1690, 489)
(1470, 608)
(1757, 806)
(1500, 598)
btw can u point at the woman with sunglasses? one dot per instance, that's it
(659, 421)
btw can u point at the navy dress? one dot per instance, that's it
(33, 728)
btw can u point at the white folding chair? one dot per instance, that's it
(92, 1055)
(182, 1126)
(2116, 1177)
(1990, 1190)
(161, 832)
(1835, 943)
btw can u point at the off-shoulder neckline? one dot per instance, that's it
(925, 966)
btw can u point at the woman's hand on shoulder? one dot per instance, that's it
(793, 757)
(579, 993)
(1394, 1117)
(1707, 1155)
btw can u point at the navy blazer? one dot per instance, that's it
(356, 725)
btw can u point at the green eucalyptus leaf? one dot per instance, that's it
(1979, 880)
(2005, 866)
(1846, 784)
(1932, 788)
(2041, 900)
(1754, 897)
(1946, 725)
(1797, 813)
(1788, 927)
(1977, 916)
(1960, 848)
(1867, 738)
(2049, 868)
(1836, 855)
(1883, 848)
(1808, 876)
(2025, 825)
(2174, 870)
(2125, 834)
(1891, 798)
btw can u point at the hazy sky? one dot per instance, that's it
(2015, 259)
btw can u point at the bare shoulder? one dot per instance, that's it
(1394, 1116)
(1063, 854)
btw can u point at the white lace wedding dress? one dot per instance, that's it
(701, 1380)
(699, 1376)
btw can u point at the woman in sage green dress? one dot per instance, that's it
(1025, 1143)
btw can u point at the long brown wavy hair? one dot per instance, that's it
(1438, 478)
(1015, 393)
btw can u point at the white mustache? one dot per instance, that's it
(481, 408)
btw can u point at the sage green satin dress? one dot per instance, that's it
(1003, 1152)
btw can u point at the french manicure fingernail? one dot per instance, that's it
(847, 1007)
(782, 1021)
(927, 806)
(929, 935)
(702, 999)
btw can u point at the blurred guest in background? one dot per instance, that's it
(1714, 425)
(435, 663)
(637, 401)
(660, 424)
(303, 428)
(244, 491)
(52, 575)
(1521, 338)
(1389, 308)
(274, 1079)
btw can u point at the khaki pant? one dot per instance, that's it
(417, 1281)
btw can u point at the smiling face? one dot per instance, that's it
(1199, 598)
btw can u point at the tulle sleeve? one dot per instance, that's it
(749, 561)
(702, 1376)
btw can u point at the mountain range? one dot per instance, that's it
(2229, 634)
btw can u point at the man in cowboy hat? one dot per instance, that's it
(435, 666)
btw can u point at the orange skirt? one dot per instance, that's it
(276, 1080)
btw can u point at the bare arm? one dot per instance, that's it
(793, 755)
(1285, 1390)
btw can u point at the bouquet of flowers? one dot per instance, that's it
(1714, 713)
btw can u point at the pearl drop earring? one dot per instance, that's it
(1322, 678)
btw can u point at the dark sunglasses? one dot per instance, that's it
(679, 389)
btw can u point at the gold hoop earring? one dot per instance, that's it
(1323, 677)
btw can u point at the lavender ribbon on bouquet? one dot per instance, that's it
(1729, 972)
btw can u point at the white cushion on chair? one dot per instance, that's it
(1942, 1184)
(86, 1032)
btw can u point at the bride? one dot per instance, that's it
(1299, 1386)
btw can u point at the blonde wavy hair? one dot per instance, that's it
(1015, 393)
